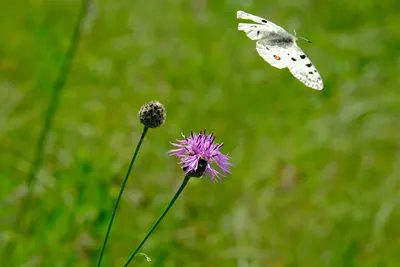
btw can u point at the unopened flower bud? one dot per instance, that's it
(152, 114)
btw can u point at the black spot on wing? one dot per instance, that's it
(293, 59)
(264, 21)
(309, 65)
(258, 33)
(310, 72)
(302, 56)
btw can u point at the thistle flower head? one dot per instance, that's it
(198, 152)
(152, 114)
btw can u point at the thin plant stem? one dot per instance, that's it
(50, 113)
(183, 185)
(120, 194)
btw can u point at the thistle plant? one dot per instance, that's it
(151, 115)
(198, 152)
(199, 156)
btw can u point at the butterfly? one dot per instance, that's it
(279, 48)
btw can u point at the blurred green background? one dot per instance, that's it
(316, 177)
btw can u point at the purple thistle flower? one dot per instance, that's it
(197, 152)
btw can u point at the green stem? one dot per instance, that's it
(120, 194)
(183, 185)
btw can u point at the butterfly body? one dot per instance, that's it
(279, 48)
(281, 41)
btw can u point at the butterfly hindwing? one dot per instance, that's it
(253, 31)
(274, 55)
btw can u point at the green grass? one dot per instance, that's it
(316, 175)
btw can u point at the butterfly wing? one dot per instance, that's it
(292, 58)
(302, 68)
(254, 31)
(259, 31)
(274, 55)
(268, 25)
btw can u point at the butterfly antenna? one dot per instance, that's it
(295, 34)
(305, 39)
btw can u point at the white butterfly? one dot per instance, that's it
(279, 48)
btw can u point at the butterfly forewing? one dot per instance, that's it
(268, 24)
(303, 69)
